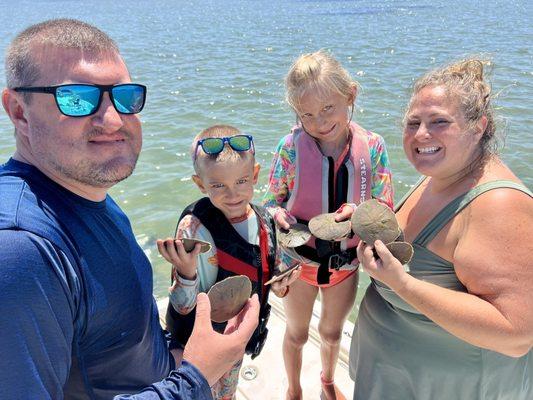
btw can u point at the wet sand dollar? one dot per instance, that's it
(296, 235)
(372, 220)
(282, 275)
(401, 237)
(325, 227)
(403, 251)
(188, 244)
(228, 297)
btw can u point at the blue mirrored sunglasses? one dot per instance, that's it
(82, 100)
(214, 146)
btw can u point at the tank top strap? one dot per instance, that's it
(409, 192)
(458, 204)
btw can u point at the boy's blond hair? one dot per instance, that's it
(200, 158)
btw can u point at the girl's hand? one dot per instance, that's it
(281, 288)
(184, 263)
(386, 268)
(345, 212)
(284, 219)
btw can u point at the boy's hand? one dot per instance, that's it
(185, 264)
(280, 288)
(284, 219)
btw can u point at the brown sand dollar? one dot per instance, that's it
(403, 251)
(228, 297)
(325, 227)
(373, 220)
(189, 243)
(296, 235)
(401, 237)
(282, 275)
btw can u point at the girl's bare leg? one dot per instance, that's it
(298, 306)
(337, 302)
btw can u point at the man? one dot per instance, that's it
(78, 319)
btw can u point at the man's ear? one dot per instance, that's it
(257, 167)
(199, 183)
(15, 109)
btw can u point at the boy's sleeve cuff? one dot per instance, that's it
(187, 282)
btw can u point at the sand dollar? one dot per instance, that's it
(296, 235)
(373, 220)
(228, 297)
(325, 227)
(282, 275)
(189, 243)
(403, 251)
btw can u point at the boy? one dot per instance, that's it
(242, 236)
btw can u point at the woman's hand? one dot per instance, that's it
(183, 263)
(281, 288)
(386, 268)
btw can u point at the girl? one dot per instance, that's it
(326, 161)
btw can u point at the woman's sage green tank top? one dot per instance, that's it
(398, 353)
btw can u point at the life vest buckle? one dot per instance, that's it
(336, 261)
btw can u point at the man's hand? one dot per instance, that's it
(184, 263)
(214, 353)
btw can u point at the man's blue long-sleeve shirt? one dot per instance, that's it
(77, 315)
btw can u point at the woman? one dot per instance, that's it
(459, 323)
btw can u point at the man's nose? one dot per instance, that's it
(107, 117)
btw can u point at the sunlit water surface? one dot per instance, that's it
(208, 62)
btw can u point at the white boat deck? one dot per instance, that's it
(264, 377)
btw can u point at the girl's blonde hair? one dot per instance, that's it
(465, 81)
(319, 71)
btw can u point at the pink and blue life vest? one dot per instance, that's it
(318, 190)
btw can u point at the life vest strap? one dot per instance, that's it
(328, 255)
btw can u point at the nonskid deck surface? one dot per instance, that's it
(264, 377)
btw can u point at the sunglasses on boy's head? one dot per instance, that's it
(214, 146)
(82, 100)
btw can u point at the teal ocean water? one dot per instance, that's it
(209, 61)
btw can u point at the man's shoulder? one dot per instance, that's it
(23, 253)
(18, 200)
(23, 208)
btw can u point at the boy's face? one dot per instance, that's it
(229, 185)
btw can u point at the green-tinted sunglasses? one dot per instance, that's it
(82, 100)
(216, 145)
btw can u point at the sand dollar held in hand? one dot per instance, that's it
(282, 275)
(403, 251)
(373, 220)
(228, 297)
(296, 235)
(325, 227)
(189, 243)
